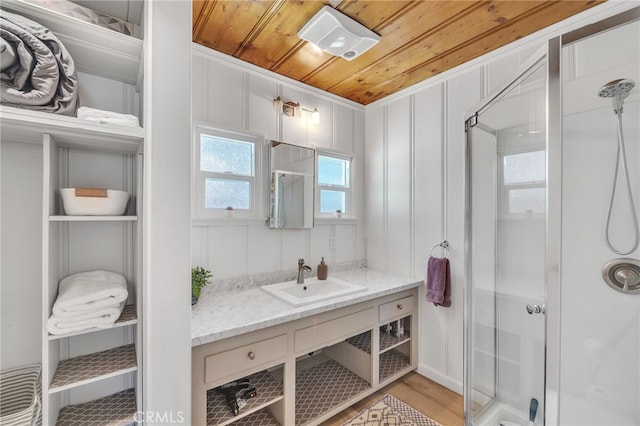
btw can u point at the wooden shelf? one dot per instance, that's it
(95, 50)
(268, 389)
(90, 368)
(128, 317)
(117, 409)
(26, 126)
(324, 387)
(65, 218)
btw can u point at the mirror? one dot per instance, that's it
(291, 197)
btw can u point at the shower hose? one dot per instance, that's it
(621, 157)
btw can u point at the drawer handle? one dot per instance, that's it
(251, 355)
(399, 306)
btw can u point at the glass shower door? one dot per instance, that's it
(506, 228)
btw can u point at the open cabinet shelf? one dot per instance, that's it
(62, 218)
(128, 317)
(312, 398)
(94, 49)
(117, 409)
(393, 362)
(269, 391)
(388, 342)
(26, 126)
(90, 368)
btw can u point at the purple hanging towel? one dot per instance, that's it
(438, 285)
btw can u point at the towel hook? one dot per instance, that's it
(444, 244)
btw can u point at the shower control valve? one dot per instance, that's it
(536, 309)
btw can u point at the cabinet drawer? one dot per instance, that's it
(396, 308)
(332, 331)
(244, 358)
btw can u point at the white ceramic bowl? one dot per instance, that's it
(114, 204)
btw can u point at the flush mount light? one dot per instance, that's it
(338, 34)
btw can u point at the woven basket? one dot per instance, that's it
(20, 396)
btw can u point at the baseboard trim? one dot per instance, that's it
(446, 381)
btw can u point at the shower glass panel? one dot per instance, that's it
(507, 188)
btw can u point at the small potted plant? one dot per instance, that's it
(228, 212)
(199, 279)
(338, 213)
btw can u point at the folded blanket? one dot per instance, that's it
(89, 292)
(39, 73)
(102, 318)
(107, 117)
(438, 284)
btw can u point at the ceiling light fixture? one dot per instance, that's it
(338, 34)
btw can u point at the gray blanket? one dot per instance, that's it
(36, 70)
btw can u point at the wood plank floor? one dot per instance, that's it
(426, 396)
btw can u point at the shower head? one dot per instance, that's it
(618, 90)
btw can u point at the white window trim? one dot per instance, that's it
(199, 212)
(348, 190)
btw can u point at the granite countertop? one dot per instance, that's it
(230, 312)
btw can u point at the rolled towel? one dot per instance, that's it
(438, 284)
(108, 117)
(87, 292)
(41, 74)
(103, 318)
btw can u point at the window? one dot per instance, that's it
(524, 182)
(225, 173)
(334, 187)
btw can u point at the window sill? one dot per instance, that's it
(335, 220)
(227, 221)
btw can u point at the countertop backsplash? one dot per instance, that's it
(246, 282)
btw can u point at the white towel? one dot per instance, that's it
(103, 318)
(89, 292)
(107, 117)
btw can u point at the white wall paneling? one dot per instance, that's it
(21, 254)
(167, 311)
(243, 100)
(376, 189)
(600, 328)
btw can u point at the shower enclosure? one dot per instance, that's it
(542, 155)
(507, 221)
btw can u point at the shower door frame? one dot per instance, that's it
(553, 238)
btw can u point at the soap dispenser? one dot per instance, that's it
(322, 270)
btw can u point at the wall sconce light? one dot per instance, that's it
(293, 109)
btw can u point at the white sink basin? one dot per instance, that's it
(312, 291)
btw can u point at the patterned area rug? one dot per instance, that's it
(389, 411)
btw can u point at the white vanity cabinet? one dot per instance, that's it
(308, 369)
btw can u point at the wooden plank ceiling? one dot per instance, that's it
(419, 38)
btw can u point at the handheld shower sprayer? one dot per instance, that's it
(618, 90)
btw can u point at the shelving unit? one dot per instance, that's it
(80, 243)
(84, 153)
(394, 351)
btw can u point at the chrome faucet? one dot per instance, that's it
(301, 268)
